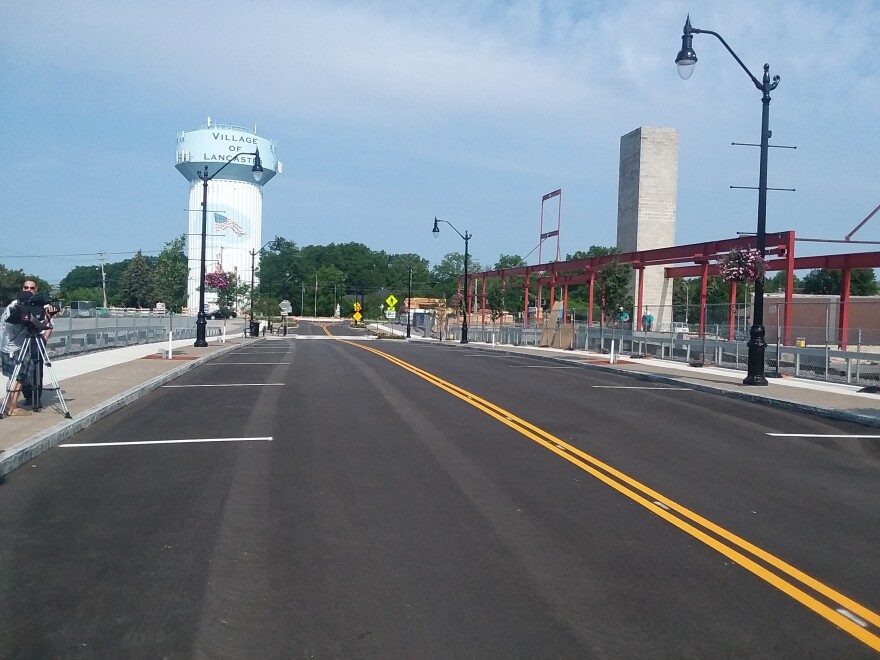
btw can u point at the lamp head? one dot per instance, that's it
(686, 58)
(436, 230)
(257, 169)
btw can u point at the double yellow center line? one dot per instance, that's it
(856, 619)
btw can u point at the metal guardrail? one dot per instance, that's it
(76, 335)
(814, 362)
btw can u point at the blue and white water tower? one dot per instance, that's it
(235, 200)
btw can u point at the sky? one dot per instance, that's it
(389, 113)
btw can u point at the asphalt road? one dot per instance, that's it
(333, 499)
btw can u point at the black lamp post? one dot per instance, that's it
(253, 254)
(409, 268)
(257, 170)
(465, 237)
(409, 301)
(686, 60)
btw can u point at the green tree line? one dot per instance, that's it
(317, 278)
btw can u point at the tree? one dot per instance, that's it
(508, 298)
(594, 251)
(170, 273)
(822, 282)
(330, 283)
(95, 295)
(495, 300)
(682, 297)
(686, 299)
(10, 284)
(398, 274)
(508, 261)
(137, 290)
(863, 282)
(776, 283)
(115, 273)
(579, 295)
(614, 288)
(446, 274)
(82, 277)
(230, 296)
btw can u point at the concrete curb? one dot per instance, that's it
(29, 449)
(829, 413)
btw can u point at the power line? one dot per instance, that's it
(75, 254)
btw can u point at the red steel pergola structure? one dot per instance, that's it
(694, 260)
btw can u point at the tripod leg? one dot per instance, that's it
(13, 387)
(53, 381)
(37, 384)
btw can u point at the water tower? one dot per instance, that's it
(235, 200)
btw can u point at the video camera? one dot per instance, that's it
(31, 311)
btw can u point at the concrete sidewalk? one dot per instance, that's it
(95, 385)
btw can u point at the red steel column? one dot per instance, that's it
(590, 313)
(483, 314)
(704, 280)
(789, 288)
(637, 313)
(564, 303)
(843, 320)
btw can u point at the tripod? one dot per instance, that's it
(41, 359)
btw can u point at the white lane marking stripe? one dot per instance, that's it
(166, 442)
(232, 385)
(821, 435)
(640, 387)
(219, 364)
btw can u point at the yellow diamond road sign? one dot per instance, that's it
(391, 300)
(357, 316)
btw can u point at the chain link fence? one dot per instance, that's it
(812, 346)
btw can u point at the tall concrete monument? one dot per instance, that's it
(646, 208)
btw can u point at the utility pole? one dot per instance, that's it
(102, 257)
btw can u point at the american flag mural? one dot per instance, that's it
(221, 222)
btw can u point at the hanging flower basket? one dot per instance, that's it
(742, 266)
(214, 281)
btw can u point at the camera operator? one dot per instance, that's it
(12, 338)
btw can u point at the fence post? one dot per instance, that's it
(858, 359)
(778, 342)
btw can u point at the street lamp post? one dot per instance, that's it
(465, 237)
(409, 301)
(257, 170)
(253, 254)
(408, 305)
(686, 60)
